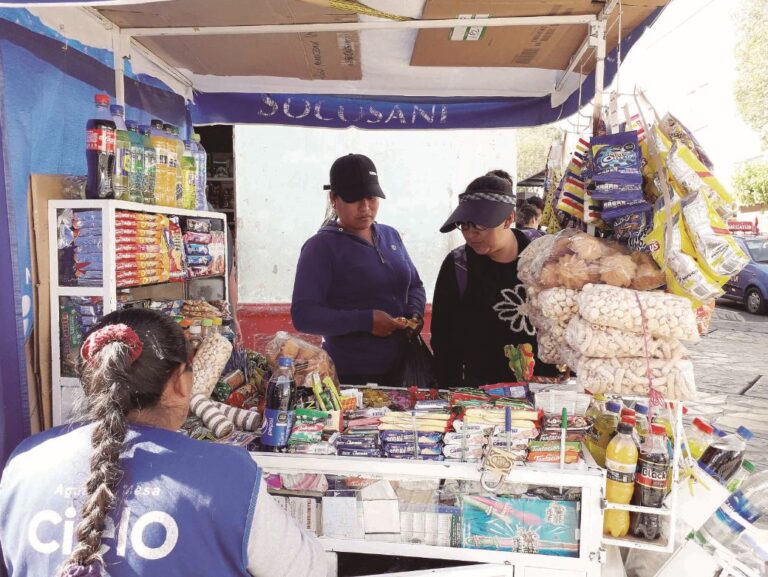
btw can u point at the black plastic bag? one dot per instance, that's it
(415, 368)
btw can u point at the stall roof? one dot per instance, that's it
(534, 51)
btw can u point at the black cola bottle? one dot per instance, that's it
(650, 483)
(100, 151)
(279, 408)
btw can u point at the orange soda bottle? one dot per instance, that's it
(621, 462)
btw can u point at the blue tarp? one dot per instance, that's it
(47, 84)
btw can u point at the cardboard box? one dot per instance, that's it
(42, 188)
(381, 516)
(548, 47)
(309, 56)
(305, 512)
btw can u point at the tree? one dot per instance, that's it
(751, 183)
(532, 149)
(751, 88)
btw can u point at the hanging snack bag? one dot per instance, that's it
(685, 276)
(617, 158)
(673, 129)
(572, 196)
(693, 177)
(218, 252)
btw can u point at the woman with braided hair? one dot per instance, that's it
(122, 493)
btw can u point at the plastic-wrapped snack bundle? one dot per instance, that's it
(558, 303)
(673, 378)
(593, 340)
(666, 315)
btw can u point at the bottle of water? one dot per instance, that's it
(201, 162)
(136, 172)
(750, 502)
(278, 409)
(121, 175)
(150, 166)
(189, 178)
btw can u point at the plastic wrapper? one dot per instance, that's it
(684, 275)
(617, 158)
(573, 259)
(315, 482)
(666, 315)
(673, 129)
(704, 316)
(468, 453)
(400, 449)
(533, 526)
(209, 362)
(218, 251)
(197, 249)
(175, 250)
(197, 238)
(321, 448)
(307, 358)
(346, 441)
(198, 225)
(422, 437)
(558, 303)
(614, 209)
(673, 378)
(591, 340)
(358, 452)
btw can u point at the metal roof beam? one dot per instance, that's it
(358, 26)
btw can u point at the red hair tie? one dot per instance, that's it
(119, 333)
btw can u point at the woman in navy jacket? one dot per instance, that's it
(354, 280)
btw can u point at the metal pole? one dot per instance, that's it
(118, 49)
(598, 36)
(356, 26)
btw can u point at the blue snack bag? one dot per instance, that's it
(617, 158)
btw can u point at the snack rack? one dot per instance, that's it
(588, 477)
(65, 390)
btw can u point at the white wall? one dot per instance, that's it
(280, 173)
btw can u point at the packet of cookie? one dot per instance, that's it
(616, 158)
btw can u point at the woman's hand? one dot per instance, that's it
(415, 324)
(384, 325)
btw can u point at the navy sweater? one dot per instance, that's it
(340, 280)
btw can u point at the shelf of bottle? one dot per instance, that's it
(661, 512)
(659, 545)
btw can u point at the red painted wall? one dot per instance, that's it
(259, 323)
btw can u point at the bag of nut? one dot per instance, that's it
(307, 358)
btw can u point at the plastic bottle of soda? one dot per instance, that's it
(150, 166)
(699, 437)
(175, 154)
(136, 173)
(642, 427)
(100, 151)
(189, 177)
(121, 176)
(201, 162)
(723, 457)
(278, 408)
(162, 170)
(603, 430)
(650, 483)
(621, 462)
(749, 503)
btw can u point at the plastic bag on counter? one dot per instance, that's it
(307, 358)
(573, 259)
(666, 315)
(673, 378)
(591, 340)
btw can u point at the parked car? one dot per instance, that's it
(750, 286)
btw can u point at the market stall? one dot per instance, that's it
(511, 475)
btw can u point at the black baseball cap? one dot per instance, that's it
(354, 177)
(487, 201)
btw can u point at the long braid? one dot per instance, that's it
(107, 405)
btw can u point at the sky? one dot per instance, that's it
(686, 65)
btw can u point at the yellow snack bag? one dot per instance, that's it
(685, 276)
(692, 176)
(649, 164)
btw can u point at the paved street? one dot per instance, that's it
(731, 365)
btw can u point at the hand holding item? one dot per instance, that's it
(412, 325)
(384, 325)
